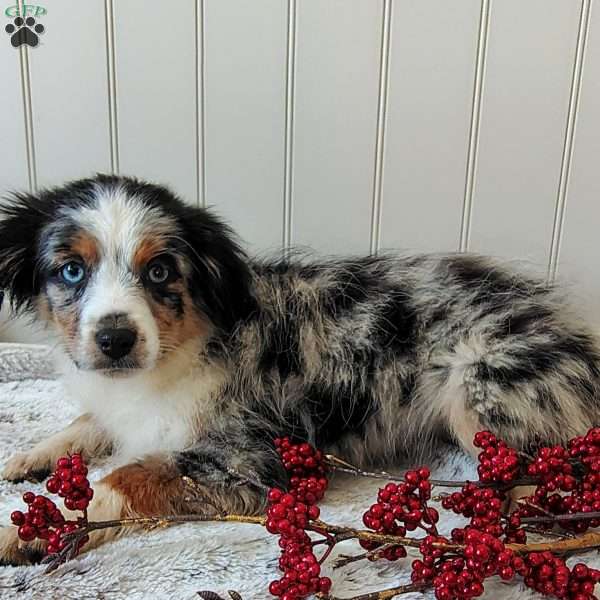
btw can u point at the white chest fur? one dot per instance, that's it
(157, 411)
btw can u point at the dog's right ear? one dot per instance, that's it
(22, 218)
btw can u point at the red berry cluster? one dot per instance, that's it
(586, 496)
(483, 555)
(549, 575)
(289, 516)
(482, 505)
(559, 491)
(401, 508)
(42, 515)
(498, 462)
(69, 481)
(43, 518)
(553, 471)
(426, 570)
(551, 467)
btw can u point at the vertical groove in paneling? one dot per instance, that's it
(200, 105)
(484, 27)
(27, 109)
(381, 124)
(28, 116)
(111, 72)
(290, 89)
(567, 155)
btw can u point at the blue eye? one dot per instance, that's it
(72, 273)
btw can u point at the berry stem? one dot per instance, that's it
(383, 594)
(340, 533)
(345, 559)
(337, 464)
(584, 542)
(550, 518)
(347, 533)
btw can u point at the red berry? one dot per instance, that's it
(52, 485)
(39, 502)
(63, 463)
(64, 474)
(274, 495)
(26, 533)
(81, 504)
(17, 517)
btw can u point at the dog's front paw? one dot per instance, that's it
(32, 466)
(15, 552)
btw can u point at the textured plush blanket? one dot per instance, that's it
(178, 562)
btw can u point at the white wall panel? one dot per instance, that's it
(68, 86)
(244, 112)
(580, 250)
(13, 155)
(156, 92)
(432, 63)
(530, 57)
(337, 70)
(286, 124)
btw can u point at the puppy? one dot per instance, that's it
(188, 358)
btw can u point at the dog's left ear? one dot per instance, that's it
(221, 280)
(22, 217)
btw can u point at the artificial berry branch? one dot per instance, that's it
(392, 592)
(334, 463)
(565, 504)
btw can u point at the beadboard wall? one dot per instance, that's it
(346, 126)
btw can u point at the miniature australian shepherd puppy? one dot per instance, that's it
(188, 358)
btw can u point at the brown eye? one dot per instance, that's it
(158, 273)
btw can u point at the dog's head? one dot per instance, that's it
(126, 271)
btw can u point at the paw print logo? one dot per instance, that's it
(24, 31)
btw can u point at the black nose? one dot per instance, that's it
(116, 343)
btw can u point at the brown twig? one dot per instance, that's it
(584, 542)
(342, 533)
(528, 504)
(346, 559)
(552, 518)
(383, 594)
(338, 533)
(72, 539)
(337, 464)
(555, 534)
(333, 533)
(208, 595)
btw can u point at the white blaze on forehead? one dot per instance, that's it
(120, 222)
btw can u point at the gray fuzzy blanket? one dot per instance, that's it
(178, 562)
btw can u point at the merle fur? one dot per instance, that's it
(368, 356)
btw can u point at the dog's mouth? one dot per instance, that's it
(122, 367)
(119, 367)
(118, 371)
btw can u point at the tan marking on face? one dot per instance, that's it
(151, 487)
(85, 246)
(147, 249)
(175, 330)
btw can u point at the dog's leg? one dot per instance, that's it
(527, 411)
(494, 383)
(82, 435)
(150, 486)
(215, 476)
